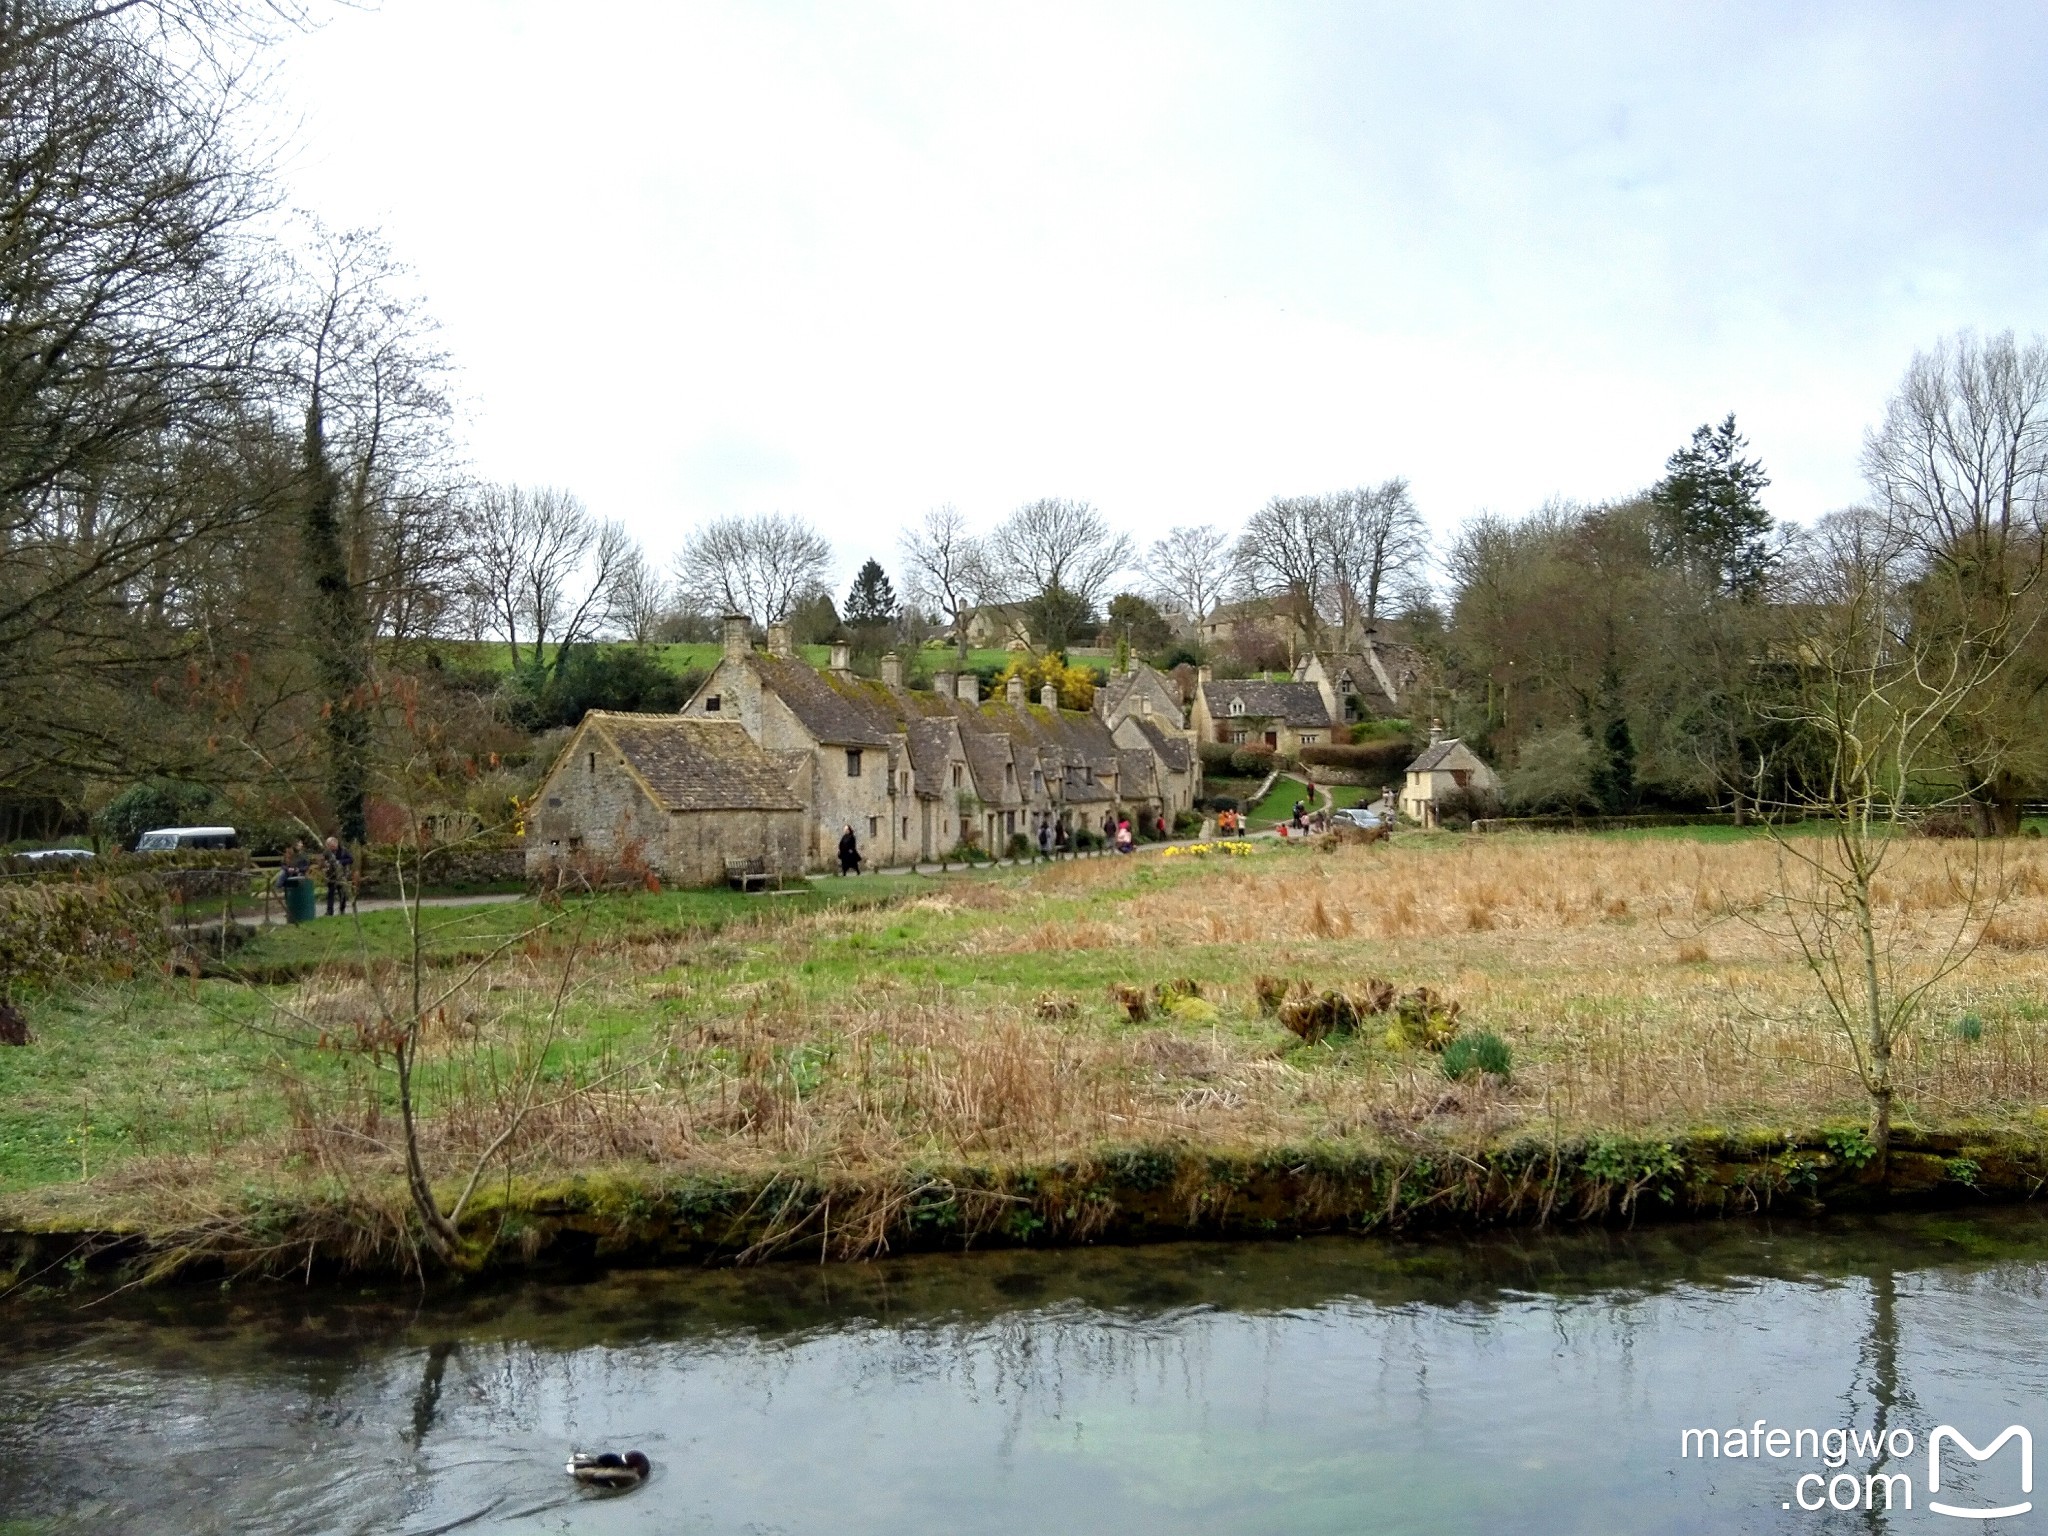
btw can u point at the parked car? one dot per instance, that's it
(170, 839)
(1362, 816)
(54, 855)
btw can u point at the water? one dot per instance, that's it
(1514, 1384)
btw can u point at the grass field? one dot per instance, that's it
(894, 1025)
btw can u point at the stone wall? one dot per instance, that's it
(591, 809)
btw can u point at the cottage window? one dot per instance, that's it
(575, 843)
(874, 826)
(852, 763)
(1009, 773)
(1145, 705)
(956, 775)
(1237, 706)
(1309, 738)
(593, 762)
(906, 827)
(711, 704)
(1240, 737)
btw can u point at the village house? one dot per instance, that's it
(1376, 681)
(688, 799)
(919, 774)
(1446, 765)
(1250, 712)
(1000, 626)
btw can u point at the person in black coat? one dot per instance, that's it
(849, 852)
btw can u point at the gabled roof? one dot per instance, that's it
(839, 712)
(1140, 776)
(1173, 749)
(1116, 694)
(1299, 704)
(1445, 755)
(691, 764)
(931, 755)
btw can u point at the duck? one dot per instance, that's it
(609, 1469)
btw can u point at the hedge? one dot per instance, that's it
(51, 932)
(1377, 756)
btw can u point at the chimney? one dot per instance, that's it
(1436, 732)
(942, 684)
(733, 631)
(1203, 675)
(968, 688)
(842, 656)
(778, 642)
(1016, 692)
(1049, 696)
(892, 670)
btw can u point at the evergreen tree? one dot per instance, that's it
(1710, 519)
(871, 601)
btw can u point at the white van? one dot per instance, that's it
(171, 839)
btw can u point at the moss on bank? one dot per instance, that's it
(1124, 1195)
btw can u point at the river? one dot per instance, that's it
(1522, 1382)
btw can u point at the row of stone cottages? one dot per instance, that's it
(771, 759)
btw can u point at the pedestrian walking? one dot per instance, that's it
(1045, 839)
(338, 866)
(1123, 836)
(849, 852)
(1062, 845)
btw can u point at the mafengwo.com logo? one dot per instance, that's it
(1963, 1479)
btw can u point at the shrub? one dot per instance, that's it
(616, 677)
(1215, 755)
(1424, 1018)
(1969, 1028)
(1457, 809)
(1252, 762)
(150, 804)
(1186, 823)
(1484, 1052)
(51, 932)
(1020, 846)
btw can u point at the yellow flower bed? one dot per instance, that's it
(1234, 849)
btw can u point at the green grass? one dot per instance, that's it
(476, 930)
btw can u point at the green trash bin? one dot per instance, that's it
(298, 901)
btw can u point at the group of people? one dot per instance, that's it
(337, 869)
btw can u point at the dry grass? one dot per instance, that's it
(981, 1024)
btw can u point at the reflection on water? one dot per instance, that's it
(1519, 1383)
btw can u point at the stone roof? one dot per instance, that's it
(988, 754)
(693, 764)
(838, 712)
(931, 755)
(1174, 750)
(1299, 704)
(1443, 756)
(1140, 776)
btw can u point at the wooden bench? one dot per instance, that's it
(748, 874)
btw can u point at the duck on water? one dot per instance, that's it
(609, 1469)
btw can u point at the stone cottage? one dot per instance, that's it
(918, 773)
(684, 797)
(1445, 765)
(1284, 717)
(1376, 681)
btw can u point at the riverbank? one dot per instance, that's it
(1087, 1052)
(622, 1218)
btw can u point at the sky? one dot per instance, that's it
(852, 262)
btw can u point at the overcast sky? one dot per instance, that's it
(853, 261)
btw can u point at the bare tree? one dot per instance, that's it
(130, 309)
(760, 566)
(640, 598)
(1190, 570)
(1378, 549)
(542, 571)
(946, 570)
(1960, 469)
(1061, 557)
(1284, 555)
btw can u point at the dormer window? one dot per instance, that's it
(1237, 706)
(711, 704)
(957, 772)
